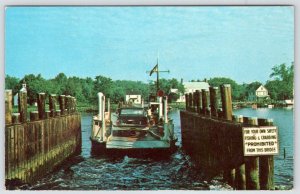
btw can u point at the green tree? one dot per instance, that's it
(276, 89)
(251, 88)
(87, 88)
(104, 85)
(237, 90)
(283, 76)
(74, 88)
(13, 84)
(60, 81)
(33, 85)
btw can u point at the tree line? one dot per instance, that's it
(280, 86)
(85, 89)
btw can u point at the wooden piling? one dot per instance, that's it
(252, 165)
(213, 101)
(220, 113)
(16, 118)
(52, 104)
(73, 104)
(186, 102)
(194, 108)
(68, 104)
(190, 101)
(226, 101)
(197, 101)
(240, 176)
(62, 104)
(34, 115)
(204, 101)
(41, 105)
(229, 174)
(200, 102)
(266, 165)
(47, 114)
(58, 113)
(8, 106)
(22, 105)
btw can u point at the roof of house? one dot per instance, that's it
(196, 85)
(261, 87)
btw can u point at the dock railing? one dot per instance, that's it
(216, 139)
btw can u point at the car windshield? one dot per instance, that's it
(132, 112)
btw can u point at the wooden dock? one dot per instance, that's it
(213, 137)
(35, 146)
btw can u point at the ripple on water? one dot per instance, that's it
(128, 173)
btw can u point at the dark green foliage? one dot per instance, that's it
(35, 85)
(282, 86)
(86, 89)
(237, 90)
(251, 88)
(12, 83)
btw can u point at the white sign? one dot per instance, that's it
(260, 141)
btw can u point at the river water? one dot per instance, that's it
(174, 172)
(284, 120)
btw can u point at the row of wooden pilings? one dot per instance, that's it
(35, 146)
(212, 135)
(67, 105)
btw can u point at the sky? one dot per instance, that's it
(193, 42)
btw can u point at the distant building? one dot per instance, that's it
(193, 86)
(261, 92)
(190, 87)
(133, 98)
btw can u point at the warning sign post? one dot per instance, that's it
(260, 141)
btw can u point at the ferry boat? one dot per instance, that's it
(133, 128)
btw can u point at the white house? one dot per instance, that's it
(134, 98)
(190, 87)
(261, 92)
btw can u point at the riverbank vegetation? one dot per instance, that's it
(280, 87)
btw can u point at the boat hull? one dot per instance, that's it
(136, 148)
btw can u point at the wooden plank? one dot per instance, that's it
(213, 101)
(252, 165)
(22, 105)
(205, 94)
(8, 107)
(41, 105)
(266, 165)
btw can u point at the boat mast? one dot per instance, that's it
(157, 74)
